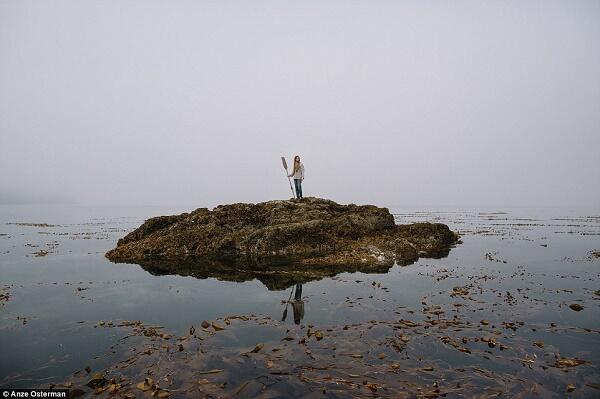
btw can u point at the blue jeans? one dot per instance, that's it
(298, 184)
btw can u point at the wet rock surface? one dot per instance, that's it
(260, 236)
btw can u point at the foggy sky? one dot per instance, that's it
(393, 103)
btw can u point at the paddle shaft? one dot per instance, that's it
(293, 194)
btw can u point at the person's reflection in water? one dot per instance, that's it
(298, 305)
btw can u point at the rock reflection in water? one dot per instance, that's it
(275, 273)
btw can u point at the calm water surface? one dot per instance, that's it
(48, 323)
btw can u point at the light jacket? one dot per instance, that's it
(299, 174)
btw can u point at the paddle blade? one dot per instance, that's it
(284, 163)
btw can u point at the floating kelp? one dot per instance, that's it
(376, 358)
(443, 349)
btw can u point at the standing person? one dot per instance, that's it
(298, 175)
(298, 305)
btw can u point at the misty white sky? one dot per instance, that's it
(491, 103)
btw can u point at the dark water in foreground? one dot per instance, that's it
(493, 317)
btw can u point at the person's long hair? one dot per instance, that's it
(296, 163)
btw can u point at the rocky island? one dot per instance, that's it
(312, 237)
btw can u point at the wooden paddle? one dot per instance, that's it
(286, 173)
(286, 305)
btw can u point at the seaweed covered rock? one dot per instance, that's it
(307, 231)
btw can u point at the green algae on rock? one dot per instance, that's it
(304, 231)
